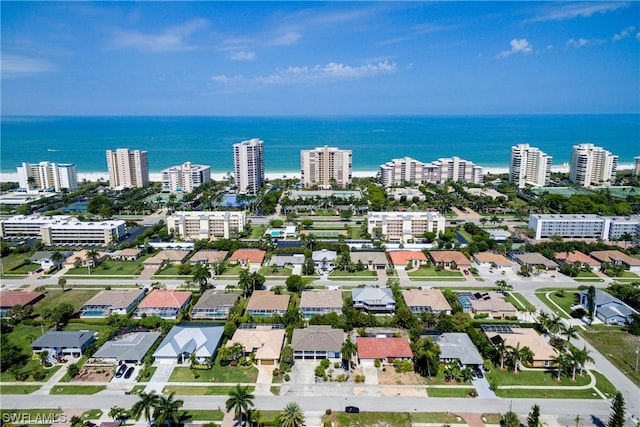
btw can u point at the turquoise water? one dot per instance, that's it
(485, 140)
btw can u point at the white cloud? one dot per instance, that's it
(517, 46)
(331, 71)
(638, 36)
(576, 10)
(15, 66)
(577, 42)
(242, 56)
(172, 39)
(286, 39)
(623, 34)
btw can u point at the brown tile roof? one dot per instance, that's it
(265, 342)
(576, 256)
(615, 256)
(497, 259)
(209, 256)
(129, 252)
(403, 257)
(267, 300)
(527, 337)
(449, 256)
(165, 298)
(83, 256)
(11, 298)
(382, 348)
(492, 302)
(324, 298)
(169, 256)
(433, 298)
(534, 258)
(254, 256)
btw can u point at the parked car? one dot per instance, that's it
(121, 370)
(129, 372)
(479, 373)
(352, 410)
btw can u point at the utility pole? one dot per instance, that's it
(637, 354)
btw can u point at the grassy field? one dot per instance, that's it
(91, 414)
(111, 267)
(205, 415)
(18, 389)
(619, 347)
(534, 393)
(519, 301)
(437, 418)
(75, 297)
(550, 305)
(449, 392)
(366, 419)
(77, 389)
(12, 261)
(425, 272)
(534, 378)
(23, 336)
(218, 374)
(570, 298)
(603, 384)
(202, 390)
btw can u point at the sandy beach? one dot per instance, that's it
(157, 176)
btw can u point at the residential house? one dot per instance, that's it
(107, 302)
(513, 336)
(264, 341)
(490, 303)
(373, 300)
(287, 260)
(324, 259)
(617, 258)
(128, 347)
(577, 258)
(452, 260)
(370, 259)
(608, 308)
(186, 339)
(536, 261)
(493, 260)
(82, 259)
(266, 304)
(387, 349)
(207, 257)
(165, 257)
(403, 259)
(320, 302)
(44, 258)
(214, 305)
(164, 303)
(429, 300)
(248, 258)
(459, 347)
(63, 343)
(9, 299)
(129, 254)
(318, 342)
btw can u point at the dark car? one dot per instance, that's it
(129, 372)
(121, 370)
(352, 410)
(479, 373)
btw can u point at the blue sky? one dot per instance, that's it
(315, 58)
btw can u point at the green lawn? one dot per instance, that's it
(366, 419)
(543, 297)
(449, 392)
(218, 374)
(13, 260)
(202, 390)
(570, 298)
(23, 336)
(619, 347)
(603, 384)
(423, 272)
(534, 393)
(336, 274)
(24, 269)
(519, 301)
(75, 297)
(437, 418)
(137, 389)
(92, 414)
(534, 378)
(76, 389)
(18, 389)
(205, 415)
(111, 267)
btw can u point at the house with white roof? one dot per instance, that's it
(373, 300)
(187, 339)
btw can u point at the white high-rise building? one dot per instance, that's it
(185, 177)
(325, 166)
(592, 165)
(529, 166)
(248, 165)
(46, 176)
(636, 167)
(398, 171)
(127, 169)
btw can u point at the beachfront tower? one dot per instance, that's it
(529, 166)
(408, 170)
(185, 177)
(48, 176)
(248, 165)
(326, 167)
(127, 168)
(636, 167)
(592, 165)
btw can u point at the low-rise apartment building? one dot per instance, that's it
(584, 226)
(404, 226)
(206, 225)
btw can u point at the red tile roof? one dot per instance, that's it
(403, 257)
(576, 256)
(11, 298)
(165, 298)
(254, 256)
(382, 348)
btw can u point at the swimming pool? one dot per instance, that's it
(93, 313)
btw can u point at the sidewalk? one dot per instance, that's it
(54, 380)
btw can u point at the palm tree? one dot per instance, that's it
(543, 319)
(348, 350)
(144, 405)
(554, 325)
(166, 411)
(57, 257)
(93, 255)
(582, 357)
(561, 361)
(118, 413)
(291, 416)
(201, 276)
(244, 281)
(240, 399)
(520, 355)
(466, 374)
(570, 332)
(501, 349)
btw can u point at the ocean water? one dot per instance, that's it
(485, 140)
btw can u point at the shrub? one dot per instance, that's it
(359, 378)
(319, 371)
(286, 377)
(336, 365)
(403, 366)
(377, 363)
(481, 315)
(327, 412)
(325, 363)
(578, 313)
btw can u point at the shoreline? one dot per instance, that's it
(157, 176)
